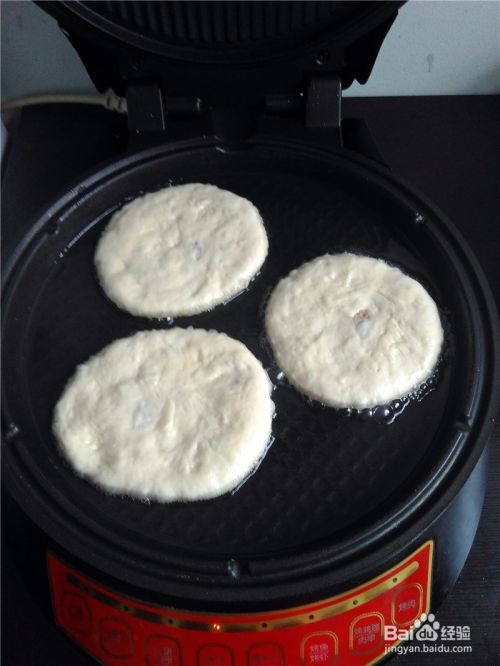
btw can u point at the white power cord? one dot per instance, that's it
(109, 100)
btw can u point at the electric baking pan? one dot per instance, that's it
(347, 510)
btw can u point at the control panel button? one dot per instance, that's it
(163, 651)
(407, 604)
(214, 655)
(115, 637)
(366, 632)
(320, 648)
(266, 654)
(75, 612)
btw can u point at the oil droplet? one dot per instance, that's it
(233, 568)
(12, 432)
(387, 414)
(366, 414)
(383, 414)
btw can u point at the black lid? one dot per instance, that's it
(220, 50)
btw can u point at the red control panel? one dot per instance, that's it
(347, 629)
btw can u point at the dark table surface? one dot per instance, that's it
(448, 147)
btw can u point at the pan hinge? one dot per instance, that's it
(150, 112)
(323, 102)
(313, 115)
(317, 112)
(319, 106)
(146, 110)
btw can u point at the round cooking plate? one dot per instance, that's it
(330, 483)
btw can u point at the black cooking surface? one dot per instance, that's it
(424, 139)
(326, 472)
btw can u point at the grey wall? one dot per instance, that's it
(434, 48)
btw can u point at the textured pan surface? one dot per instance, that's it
(327, 476)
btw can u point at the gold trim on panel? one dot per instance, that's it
(265, 621)
(427, 607)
